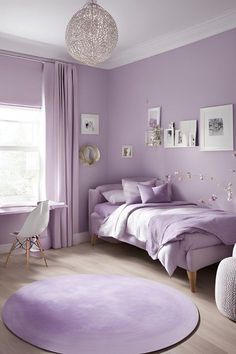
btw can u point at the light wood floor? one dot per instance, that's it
(216, 334)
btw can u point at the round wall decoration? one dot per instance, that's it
(89, 154)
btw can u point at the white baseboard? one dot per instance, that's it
(5, 248)
(78, 238)
(81, 237)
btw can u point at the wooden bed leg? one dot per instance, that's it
(192, 276)
(94, 238)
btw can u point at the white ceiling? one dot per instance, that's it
(146, 27)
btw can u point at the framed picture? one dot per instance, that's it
(127, 151)
(154, 117)
(153, 137)
(216, 128)
(188, 133)
(169, 138)
(179, 138)
(171, 125)
(90, 124)
(149, 137)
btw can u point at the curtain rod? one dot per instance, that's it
(32, 57)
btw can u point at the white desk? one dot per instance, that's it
(12, 218)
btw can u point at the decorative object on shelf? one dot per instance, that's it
(216, 128)
(91, 34)
(89, 154)
(153, 133)
(186, 135)
(127, 151)
(154, 117)
(90, 124)
(171, 125)
(153, 137)
(188, 129)
(169, 138)
(178, 138)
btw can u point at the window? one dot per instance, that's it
(22, 141)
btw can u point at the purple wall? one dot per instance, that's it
(92, 99)
(21, 83)
(180, 81)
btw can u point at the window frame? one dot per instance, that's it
(38, 148)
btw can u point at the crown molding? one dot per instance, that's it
(161, 44)
(10, 43)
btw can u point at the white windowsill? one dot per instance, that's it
(21, 209)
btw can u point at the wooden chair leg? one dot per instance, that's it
(41, 250)
(11, 250)
(27, 252)
(192, 276)
(94, 238)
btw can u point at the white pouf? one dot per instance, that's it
(225, 288)
(234, 251)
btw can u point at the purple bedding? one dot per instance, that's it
(160, 225)
(105, 209)
(169, 228)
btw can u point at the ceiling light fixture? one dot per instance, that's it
(91, 34)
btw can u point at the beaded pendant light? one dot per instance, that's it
(91, 34)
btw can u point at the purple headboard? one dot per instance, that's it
(95, 196)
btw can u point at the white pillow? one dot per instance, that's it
(115, 196)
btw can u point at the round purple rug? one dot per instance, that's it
(100, 314)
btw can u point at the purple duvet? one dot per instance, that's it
(169, 228)
(164, 223)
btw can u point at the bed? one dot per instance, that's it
(130, 223)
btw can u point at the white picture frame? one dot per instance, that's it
(127, 151)
(188, 130)
(216, 128)
(148, 137)
(169, 138)
(152, 137)
(154, 117)
(89, 123)
(179, 138)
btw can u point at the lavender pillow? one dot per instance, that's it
(131, 190)
(159, 194)
(115, 196)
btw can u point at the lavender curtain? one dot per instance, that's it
(60, 86)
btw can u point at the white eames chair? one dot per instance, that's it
(28, 236)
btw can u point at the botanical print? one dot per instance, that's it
(179, 137)
(89, 124)
(152, 122)
(127, 151)
(154, 117)
(153, 137)
(216, 126)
